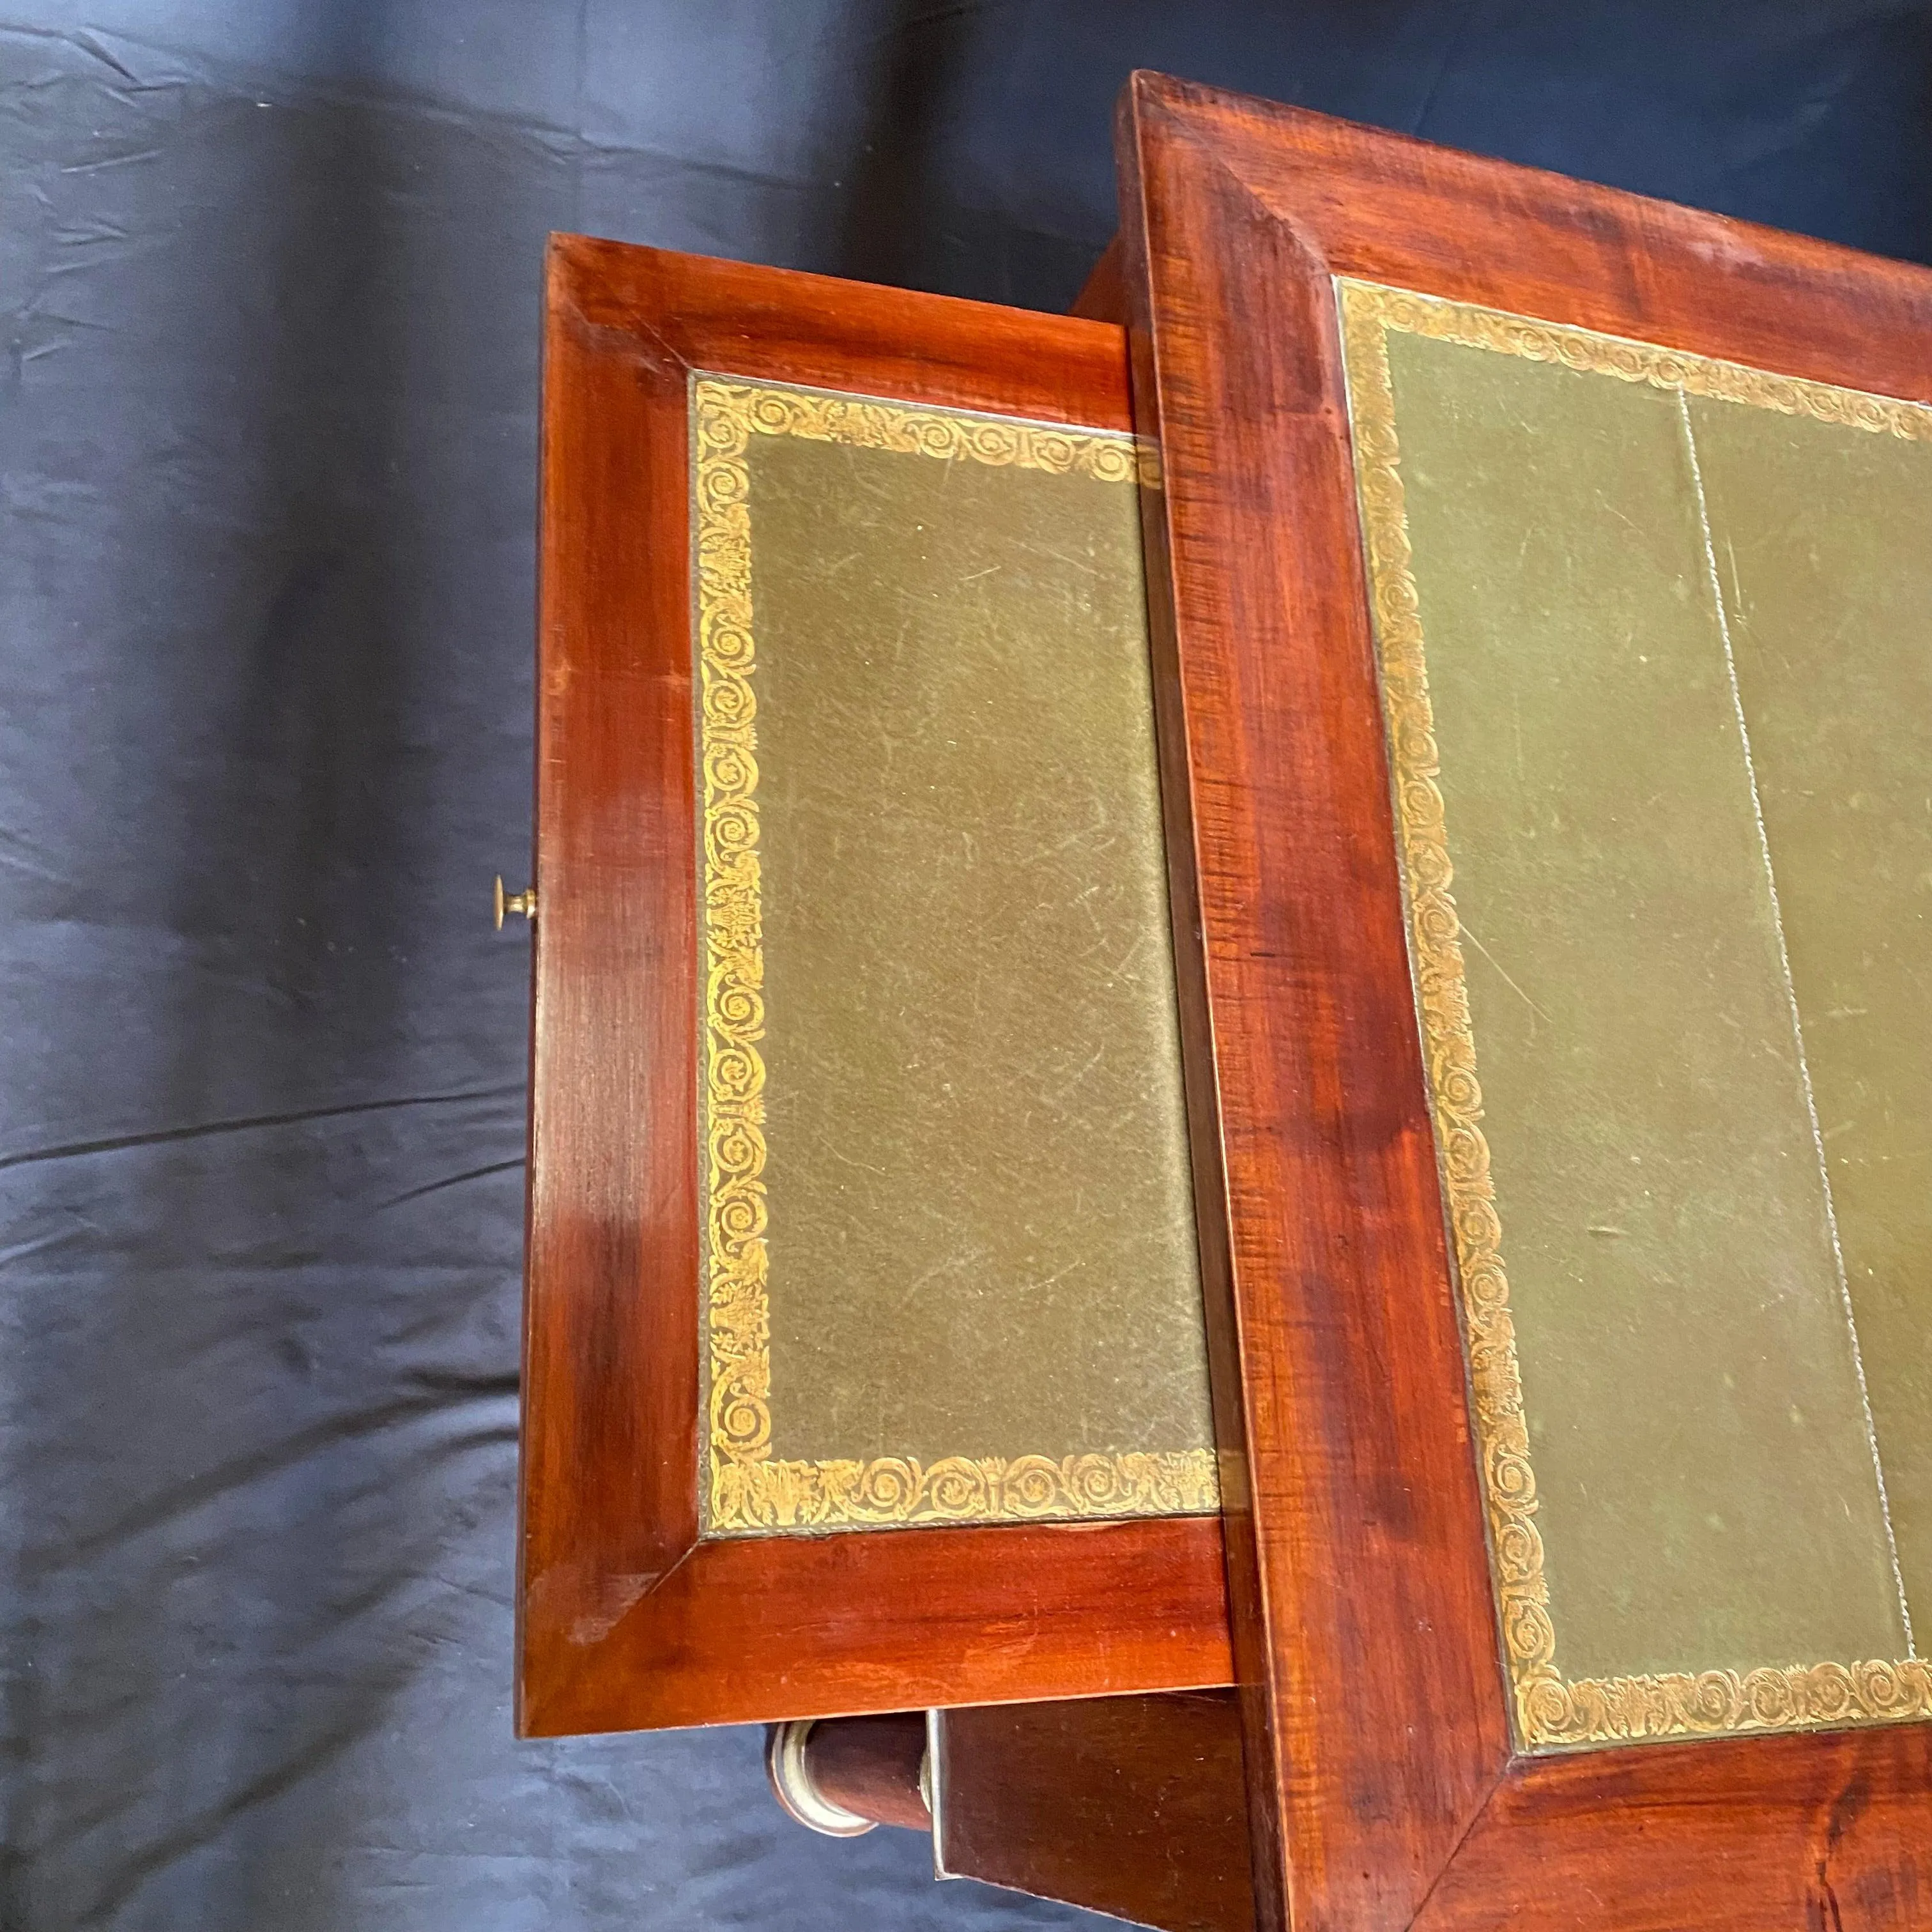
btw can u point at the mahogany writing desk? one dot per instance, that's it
(1390, 1065)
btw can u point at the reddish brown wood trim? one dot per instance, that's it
(1103, 296)
(1362, 1622)
(753, 1629)
(626, 1618)
(610, 1440)
(1391, 209)
(1826, 1833)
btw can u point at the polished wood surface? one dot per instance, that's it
(1133, 1806)
(1359, 1585)
(1103, 296)
(872, 1767)
(1385, 1788)
(1819, 1833)
(628, 1618)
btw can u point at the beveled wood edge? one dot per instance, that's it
(739, 318)
(601, 1517)
(626, 1618)
(758, 1630)
(1365, 1638)
(1824, 1830)
(1584, 253)
(1740, 1832)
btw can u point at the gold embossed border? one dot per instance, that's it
(749, 1490)
(1592, 354)
(1551, 1710)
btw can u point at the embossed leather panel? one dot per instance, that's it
(951, 1258)
(1654, 634)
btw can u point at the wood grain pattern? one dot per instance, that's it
(1827, 1834)
(872, 1767)
(1127, 1805)
(1384, 1789)
(1359, 1581)
(1103, 296)
(626, 1618)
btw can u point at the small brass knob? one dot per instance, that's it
(525, 903)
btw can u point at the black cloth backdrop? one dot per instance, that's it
(271, 269)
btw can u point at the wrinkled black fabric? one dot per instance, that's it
(271, 271)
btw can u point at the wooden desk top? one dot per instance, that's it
(1435, 1048)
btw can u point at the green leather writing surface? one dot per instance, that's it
(1654, 634)
(951, 1267)
(1823, 538)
